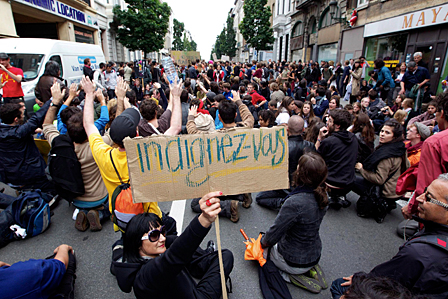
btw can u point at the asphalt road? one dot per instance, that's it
(350, 244)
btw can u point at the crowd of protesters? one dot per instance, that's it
(385, 144)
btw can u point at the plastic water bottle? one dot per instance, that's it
(170, 69)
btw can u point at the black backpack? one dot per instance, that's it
(65, 169)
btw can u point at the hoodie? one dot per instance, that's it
(165, 276)
(340, 152)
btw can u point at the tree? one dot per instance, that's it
(220, 44)
(179, 28)
(255, 26)
(186, 43)
(194, 46)
(143, 25)
(230, 45)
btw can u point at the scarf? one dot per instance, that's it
(387, 150)
(413, 149)
(201, 108)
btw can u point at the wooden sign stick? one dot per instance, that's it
(221, 266)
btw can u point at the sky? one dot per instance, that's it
(203, 18)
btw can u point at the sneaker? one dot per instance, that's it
(234, 215)
(94, 220)
(317, 273)
(306, 283)
(66, 288)
(345, 203)
(81, 222)
(247, 200)
(210, 246)
(335, 203)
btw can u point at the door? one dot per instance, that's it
(437, 65)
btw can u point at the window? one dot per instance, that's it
(325, 18)
(298, 29)
(362, 3)
(312, 25)
(57, 58)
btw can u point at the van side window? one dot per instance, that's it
(57, 58)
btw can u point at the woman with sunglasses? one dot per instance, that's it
(383, 167)
(156, 266)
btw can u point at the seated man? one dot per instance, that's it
(49, 278)
(21, 163)
(227, 114)
(420, 264)
(94, 204)
(297, 147)
(124, 125)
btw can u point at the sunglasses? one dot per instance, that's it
(428, 198)
(154, 235)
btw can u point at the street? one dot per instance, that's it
(350, 244)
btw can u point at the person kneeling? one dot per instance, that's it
(156, 266)
(293, 240)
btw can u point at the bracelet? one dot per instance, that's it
(318, 139)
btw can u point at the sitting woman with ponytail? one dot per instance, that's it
(293, 240)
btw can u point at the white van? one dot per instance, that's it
(31, 55)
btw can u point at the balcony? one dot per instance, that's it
(300, 4)
(279, 20)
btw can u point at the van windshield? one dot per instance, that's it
(29, 63)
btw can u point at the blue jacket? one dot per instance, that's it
(100, 123)
(296, 229)
(31, 279)
(20, 160)
(385, 78)
(320, 106)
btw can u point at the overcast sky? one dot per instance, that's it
(203, 18)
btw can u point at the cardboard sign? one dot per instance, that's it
(225, 58)
(185, 57)
(167, 168)
(215, 58)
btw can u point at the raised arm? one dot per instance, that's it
(246, 117)
(120, 91)
(17, 78)
(88, 119)
(57, 96)
(176, 116)
(101, 122)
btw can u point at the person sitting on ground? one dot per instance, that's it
(408, 107)
(167, 124)
(285, 111)
(312, 132)
(277, 95)
(340, 151)
(124, 125)
(156, 266)
(43, 278)
(383, 167)
(420, 264)
(400, 116)
(307, 113)
(257, 100)
(375, 105)
(227, 114)
(294, 241)
(297, 148)
(364, 132)
(202, 119)
(273, 106)
(427, 118)
(21, 163)
(266, 119)
(416, 135)
(320, 103)
(94, 203)
(333, 104)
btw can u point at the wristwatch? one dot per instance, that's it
(54, 105)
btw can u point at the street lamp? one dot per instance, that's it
(333, 8)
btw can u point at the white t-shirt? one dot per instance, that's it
(282, 118)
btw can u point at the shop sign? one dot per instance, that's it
(387, 63)
(62, 10)
(423, 18)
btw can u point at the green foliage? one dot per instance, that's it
(220, 44)
(194, 46)
(179, 28)
(226, 41)
(255, 26)
(143, 25)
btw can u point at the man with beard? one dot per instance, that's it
(21, 163)
(339, 150)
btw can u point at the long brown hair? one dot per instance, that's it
(311, 114)
(312, 172)
(362, 124)
(285, 104)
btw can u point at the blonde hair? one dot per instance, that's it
(400, 116)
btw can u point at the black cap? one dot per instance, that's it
(125, 125)
(323, 83)
(211, 95)
(3, 55)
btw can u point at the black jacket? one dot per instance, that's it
(420, 267)
(20, 161)
(165, 276)
(87, 71)
(340, 151)
(297, 147)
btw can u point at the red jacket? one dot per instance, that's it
(257, 98)
(433, 162)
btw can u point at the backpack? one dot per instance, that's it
(123, 206)
(65, 169)
(32, 212)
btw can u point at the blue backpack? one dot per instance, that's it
(32, 212)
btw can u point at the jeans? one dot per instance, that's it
(103, 210)
(336, 289)
(272, 200)
(361, 185)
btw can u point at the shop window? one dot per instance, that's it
(298, 29)
(325, 18)
(57, 58)
(328, 52)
